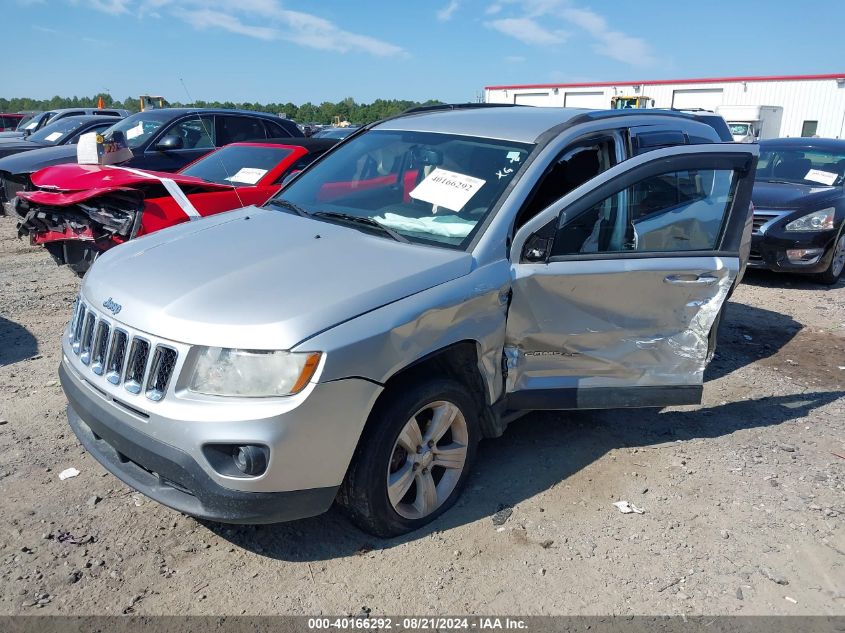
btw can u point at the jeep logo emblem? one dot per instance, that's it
(112, 306)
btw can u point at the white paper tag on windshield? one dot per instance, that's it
(86, 149)
(447, 189)
(53, 137)
(31, 125)
(823, 177)
(135, 132)
(248, 175)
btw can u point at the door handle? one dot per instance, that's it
(704, 280)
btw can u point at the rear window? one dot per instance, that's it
(239, 165)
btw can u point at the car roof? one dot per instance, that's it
(803, 142)
(510, 122)
(514, 123)
(83, 118)
(60, 110)
(181, 111)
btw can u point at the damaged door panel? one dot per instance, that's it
(616, 287)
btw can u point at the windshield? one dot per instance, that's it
(138, 128)
(237, 164)
(24, 122)
(58, 132)
(429, 188)
(739, 129)
(37, 120)
(335, 132)
(805, 166)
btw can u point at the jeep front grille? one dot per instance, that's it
(136, 366)
(120, 357)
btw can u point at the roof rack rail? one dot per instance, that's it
(457, 106)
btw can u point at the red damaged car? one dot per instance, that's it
(79, 211)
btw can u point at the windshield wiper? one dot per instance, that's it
(363, 221)
(290, 206)
(784, 182)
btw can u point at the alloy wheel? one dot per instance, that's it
(427, 460)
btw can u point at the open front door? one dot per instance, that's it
(617, 285)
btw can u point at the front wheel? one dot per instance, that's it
(837, 263)
(413, 458)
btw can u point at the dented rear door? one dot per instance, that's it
(616, 286)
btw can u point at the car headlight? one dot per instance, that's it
(815, 221)
(220, 371)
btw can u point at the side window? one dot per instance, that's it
(234, 129)
(809, 128)
(298, 166)
(274, 130)
(196, 132)
(674, 211)
(577, 164)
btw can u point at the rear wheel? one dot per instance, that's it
(413, 459)
(837, 263)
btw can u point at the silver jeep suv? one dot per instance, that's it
(413, 291)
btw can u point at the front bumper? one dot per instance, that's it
(768, 250)
(177, 474)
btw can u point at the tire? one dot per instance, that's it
(430, 488)
(837, 263)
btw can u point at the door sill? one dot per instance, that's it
(604, 397)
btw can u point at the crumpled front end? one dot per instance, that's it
(75, 234)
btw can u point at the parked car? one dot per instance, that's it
(65, 131)
(9, 121)
(161, 140)
(412, 291)
(80, 211)
(336, 132)
(38, 120)
(799, 199)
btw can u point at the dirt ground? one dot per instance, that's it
(743, 496)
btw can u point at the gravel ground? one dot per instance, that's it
(743, 496)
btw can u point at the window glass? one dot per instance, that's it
(97, 128)
(428, 187)
(576, 165)
(237, 165)
(783, 162)
(809, 128)
(57, 133)
(274, 130)
(232, 129)
(740, 129)
(675, 211)
(196, 132)
(138, 128)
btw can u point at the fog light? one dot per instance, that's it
(804, 255)
(250, 460)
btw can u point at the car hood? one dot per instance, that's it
(261, 279)
(28, 162)
(776, 195)
(72, 183)
(11, 135)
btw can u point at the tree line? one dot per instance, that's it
(323, 113)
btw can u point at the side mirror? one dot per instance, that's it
(169, 142)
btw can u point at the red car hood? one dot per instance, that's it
(68, 184)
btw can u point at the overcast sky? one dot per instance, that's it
(292, 50)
